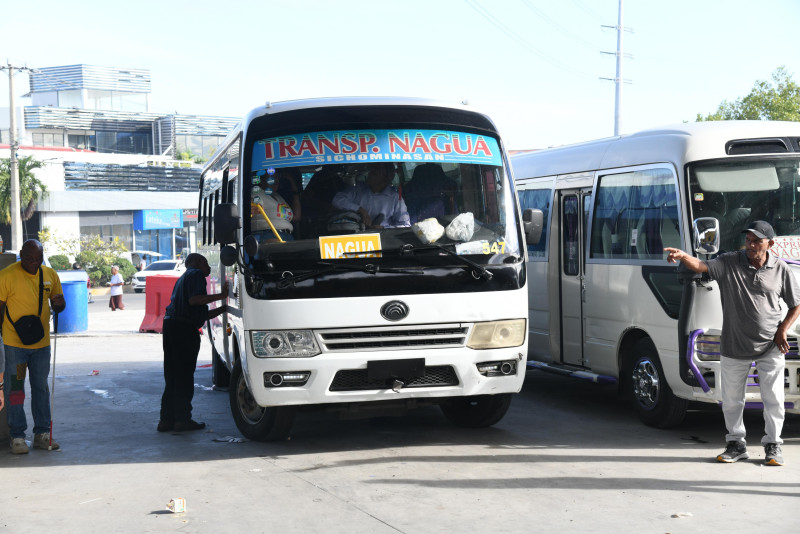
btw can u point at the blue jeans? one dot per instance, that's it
(36, 364)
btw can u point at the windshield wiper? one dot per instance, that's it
(289, 279)
(478, 271)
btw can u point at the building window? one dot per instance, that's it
(47, 139)
(124, 142)
(82, 141)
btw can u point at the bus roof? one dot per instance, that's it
(677, 144)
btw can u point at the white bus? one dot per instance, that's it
(604, 303)
(422, 303)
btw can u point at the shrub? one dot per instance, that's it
(59, 262)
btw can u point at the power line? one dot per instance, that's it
(588, 10)
(557, 26)
(509, 32)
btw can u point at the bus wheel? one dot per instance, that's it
(220, 376)
(476, 412)
(253, 421)
(647, 386)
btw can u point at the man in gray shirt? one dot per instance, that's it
(752, 282)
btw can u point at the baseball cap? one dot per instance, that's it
(762, 230)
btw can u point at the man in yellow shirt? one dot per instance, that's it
(20, 285)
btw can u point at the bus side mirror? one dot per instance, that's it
(705, 235)
(226, 223)
(228, 256)
(532, 224)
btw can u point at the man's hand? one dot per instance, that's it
(225, 289)
(781, 341)
(365, 217)
(58, 303)
(676, 255)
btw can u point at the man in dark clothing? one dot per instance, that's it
(185, 315)
(752, 282)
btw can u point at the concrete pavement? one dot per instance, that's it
(569, 457)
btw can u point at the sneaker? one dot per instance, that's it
(772, 454)
(42, 441)
(165, 426)
(185, 426)
(735, 451)
(18, 446)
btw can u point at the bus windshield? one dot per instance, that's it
(740, 192)
(361, 197)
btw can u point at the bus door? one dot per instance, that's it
(574, 208)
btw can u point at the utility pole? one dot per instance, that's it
(16, 216)
(618, 80)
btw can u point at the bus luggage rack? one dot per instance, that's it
(356, 379)
(394, 337)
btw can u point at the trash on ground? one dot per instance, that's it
(94, 373)
(177, 505)
(680, 515)
(229, 439)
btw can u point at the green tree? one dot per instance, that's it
(31, 189)
(97, 257)
(59, 262)
(775, 100)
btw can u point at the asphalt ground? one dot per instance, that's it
(570, 456)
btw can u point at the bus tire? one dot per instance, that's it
(220, 375)
(253, 421)
(479, 411)
(647, 388)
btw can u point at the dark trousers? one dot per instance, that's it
(181, 342)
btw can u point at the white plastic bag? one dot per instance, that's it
(428, 231)
(462, 227)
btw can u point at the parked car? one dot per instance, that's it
(173, 267)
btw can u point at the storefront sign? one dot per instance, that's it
(157, 219)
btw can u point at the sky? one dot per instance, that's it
(534, 66)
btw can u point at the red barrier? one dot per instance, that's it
(158, 291)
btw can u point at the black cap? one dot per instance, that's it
(762, 230)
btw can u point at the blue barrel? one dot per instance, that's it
(75, 318)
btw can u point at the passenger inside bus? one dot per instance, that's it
(429, 193)
(378, 203)
(316, 200)
(279, 198)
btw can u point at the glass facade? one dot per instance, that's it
(199, 145)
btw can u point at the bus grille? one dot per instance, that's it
(394, 337)
(356, 379)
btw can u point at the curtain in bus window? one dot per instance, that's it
(537, 199)
(572, 218)
(636, 215)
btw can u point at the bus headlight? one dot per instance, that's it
(284, 343)
(497, 334)
(706, 347)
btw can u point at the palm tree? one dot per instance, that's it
(31, 189)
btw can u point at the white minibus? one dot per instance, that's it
(604, 303)
(374, 251)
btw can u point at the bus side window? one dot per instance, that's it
(537, 199)
(636, 215)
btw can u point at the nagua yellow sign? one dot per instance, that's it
(334, 247)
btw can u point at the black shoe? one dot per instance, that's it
(165, 426)
(772, 454)
(735, 451)
(186, 426)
